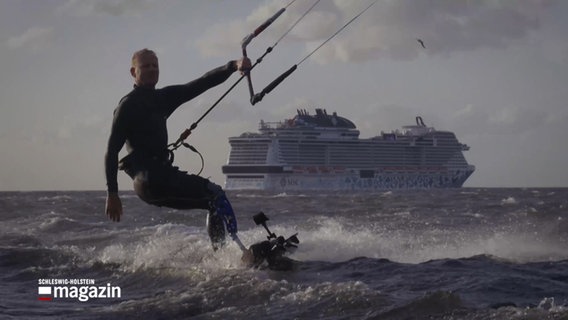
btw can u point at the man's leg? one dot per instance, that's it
(179, 190)
(215, 229)
(223, 207)
(221, 215)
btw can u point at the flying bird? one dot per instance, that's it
(421, 42)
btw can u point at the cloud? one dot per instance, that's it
(106, 7)
(226, 36)
(471, 119)
(74, 127)
(390, 28)
(34, 38)
(517, 120)
(222, 38)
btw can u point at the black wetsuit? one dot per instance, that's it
(140, 122)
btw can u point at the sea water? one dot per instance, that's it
(429, 254)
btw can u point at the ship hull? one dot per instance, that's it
(348, 181)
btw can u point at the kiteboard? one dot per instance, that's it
(271, 253)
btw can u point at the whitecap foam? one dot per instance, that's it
(55, 198)
(334, 241)
(509, 201)
(177, 248)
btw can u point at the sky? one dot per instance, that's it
(495, 72)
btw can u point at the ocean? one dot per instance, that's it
(470, 253)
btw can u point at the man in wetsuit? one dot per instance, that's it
(140, 122)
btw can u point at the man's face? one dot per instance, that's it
(146, 70)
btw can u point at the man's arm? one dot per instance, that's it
(180, 94)
(177, 95)
(116, 140)
(209, 80)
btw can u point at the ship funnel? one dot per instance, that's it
(420, 122)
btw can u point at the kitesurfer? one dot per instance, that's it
(140, 122)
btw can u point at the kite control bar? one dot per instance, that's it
(258, 97)
(254, 98)
(246, 40)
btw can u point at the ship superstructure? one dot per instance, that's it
(324, 152)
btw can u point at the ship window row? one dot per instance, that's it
(354, 159)
(369, 148)
(248, 154)
(246, 161)
(365, 159)
(368, 154)
(350, 160)
(347, 154)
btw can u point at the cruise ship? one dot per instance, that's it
(324, 152)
